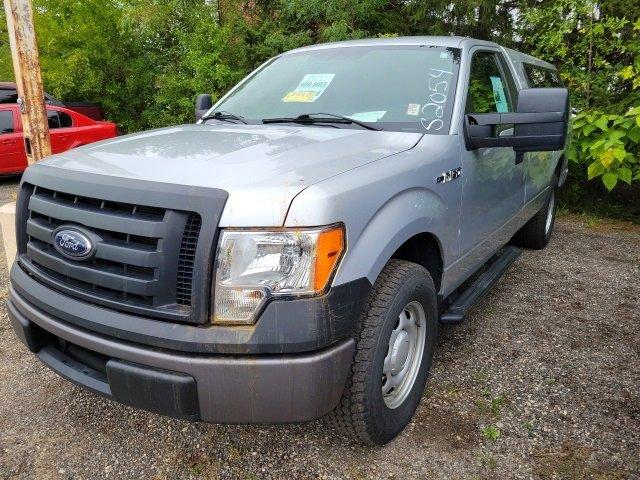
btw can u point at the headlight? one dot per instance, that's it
(255, 265)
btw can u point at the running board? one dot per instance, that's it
(457, 312)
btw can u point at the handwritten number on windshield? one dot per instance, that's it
(433, 111)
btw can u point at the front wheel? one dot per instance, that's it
(394, 349)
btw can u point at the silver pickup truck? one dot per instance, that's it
(292, 254)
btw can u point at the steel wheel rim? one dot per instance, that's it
(552, 205)
(404, 355)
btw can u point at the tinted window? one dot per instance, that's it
(488, 87)
(54, 119)
(8, 96)
(65, 120)
(539, 77)
(401, 88)
(6, 122)
(11, 96)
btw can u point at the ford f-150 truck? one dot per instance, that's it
(292, 254)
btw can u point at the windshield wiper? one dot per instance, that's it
(224, 116)
(320, 118)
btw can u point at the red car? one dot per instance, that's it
(9, 94)
(68, 130)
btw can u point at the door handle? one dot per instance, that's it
(64, 137)
(8, 142)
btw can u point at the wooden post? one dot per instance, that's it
(26, 65)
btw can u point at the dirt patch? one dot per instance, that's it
(542, 381)
(572, 463)
(447, 429)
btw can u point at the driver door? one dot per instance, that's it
(12, 156)
(493, 185)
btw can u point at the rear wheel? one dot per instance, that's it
(536, 233)
(394, 349)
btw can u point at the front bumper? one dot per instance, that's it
(225, 388)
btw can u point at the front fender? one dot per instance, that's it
(386, 202)
(405, 215)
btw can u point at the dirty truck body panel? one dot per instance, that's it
(126, 247)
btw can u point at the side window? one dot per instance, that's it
(539, 77)
(553, 79)
(65, 120)
(6, 122)
(54, 119)
(488, 87)
(8, 96)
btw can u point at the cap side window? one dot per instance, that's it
(6, 122)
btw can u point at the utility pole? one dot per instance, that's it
(26, 65)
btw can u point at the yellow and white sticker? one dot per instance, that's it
(310, 88)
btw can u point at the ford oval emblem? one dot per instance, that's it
(72, 243)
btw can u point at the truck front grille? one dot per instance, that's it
(154, 242)
(144, 260)
(187, 258)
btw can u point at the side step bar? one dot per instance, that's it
(475, 292)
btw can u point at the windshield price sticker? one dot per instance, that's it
(433, 111)
(310, 88)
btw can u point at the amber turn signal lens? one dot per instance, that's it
(329, 251)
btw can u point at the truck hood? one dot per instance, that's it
(262, 167)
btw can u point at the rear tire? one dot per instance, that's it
(536, 233)
(394, 349)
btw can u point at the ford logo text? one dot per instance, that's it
(73, 244)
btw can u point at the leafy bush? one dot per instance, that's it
(608, 146)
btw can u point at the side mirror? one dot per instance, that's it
(204, 103)
(540, 123)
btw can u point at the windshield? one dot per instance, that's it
(398, 88)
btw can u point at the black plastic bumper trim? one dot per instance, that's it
(286, 326)
(160, 391)
(74, 371)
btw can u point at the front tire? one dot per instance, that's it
(536, 233)
(394, 349)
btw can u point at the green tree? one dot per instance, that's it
(586, 45)
(146, 60)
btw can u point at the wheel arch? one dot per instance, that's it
(412, 226)
(424, 249)
(561, 168)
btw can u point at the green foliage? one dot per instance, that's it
(487, 459)
(592, 51)
(529, 427)
(597, 49)
(491, 432)
(146, 60)
(496, 404)
(608, 145)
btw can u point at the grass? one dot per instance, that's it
(496, 405)
(591, 200)
(487, 460)
(601, 211)
(490, 432)
(528, 426)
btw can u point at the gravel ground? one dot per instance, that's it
(543, 381)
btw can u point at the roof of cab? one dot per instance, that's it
(442, 41)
